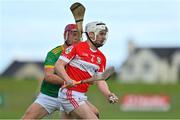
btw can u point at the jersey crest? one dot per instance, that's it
(98, 60)
(69, 49)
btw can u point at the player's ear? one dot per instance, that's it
(92, 35)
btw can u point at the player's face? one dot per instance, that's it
(73, 37)
(101, 37)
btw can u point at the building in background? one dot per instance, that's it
(24, 70)
(151, 65)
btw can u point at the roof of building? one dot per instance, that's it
(14, 66)
(161, 52)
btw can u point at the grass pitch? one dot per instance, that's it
(17, 95)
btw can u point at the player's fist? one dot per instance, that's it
(68, 84)
(112, 98)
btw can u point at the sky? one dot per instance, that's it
(30, 28)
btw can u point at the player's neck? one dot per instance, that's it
(91, 45)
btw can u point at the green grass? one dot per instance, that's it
(113, 111)
(18, 95)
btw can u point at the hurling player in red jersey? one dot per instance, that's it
(79, 62)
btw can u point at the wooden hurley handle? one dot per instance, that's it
(97, 77)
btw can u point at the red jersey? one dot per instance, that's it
(83, 63)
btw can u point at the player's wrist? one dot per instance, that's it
(68, 82)
(108, 94)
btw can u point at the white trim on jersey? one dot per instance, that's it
(99, 73)
(64, 59)
(84, 66)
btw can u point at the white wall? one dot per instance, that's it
(147, 66)
(29, 70)
(157, 70)
(175, 67)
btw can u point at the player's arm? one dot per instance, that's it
(66, 56)
(104, 89)
(60, 70)
(49, 71)
(51, 77)
(102, 85)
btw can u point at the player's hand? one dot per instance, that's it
(112, 98)
(92, 82)
(68, 84)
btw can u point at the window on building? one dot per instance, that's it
(147, 67)
(130, 68)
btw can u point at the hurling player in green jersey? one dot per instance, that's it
(47, 102)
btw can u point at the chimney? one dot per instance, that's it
(131, 47)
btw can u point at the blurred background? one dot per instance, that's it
(143, 44)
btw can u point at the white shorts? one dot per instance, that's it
(70, 99)
(49, 103)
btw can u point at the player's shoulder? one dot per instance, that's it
(78, 45)
(57, 49)
(101, 54)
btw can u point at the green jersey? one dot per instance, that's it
(51, 58)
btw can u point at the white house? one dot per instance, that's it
(151, 65)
